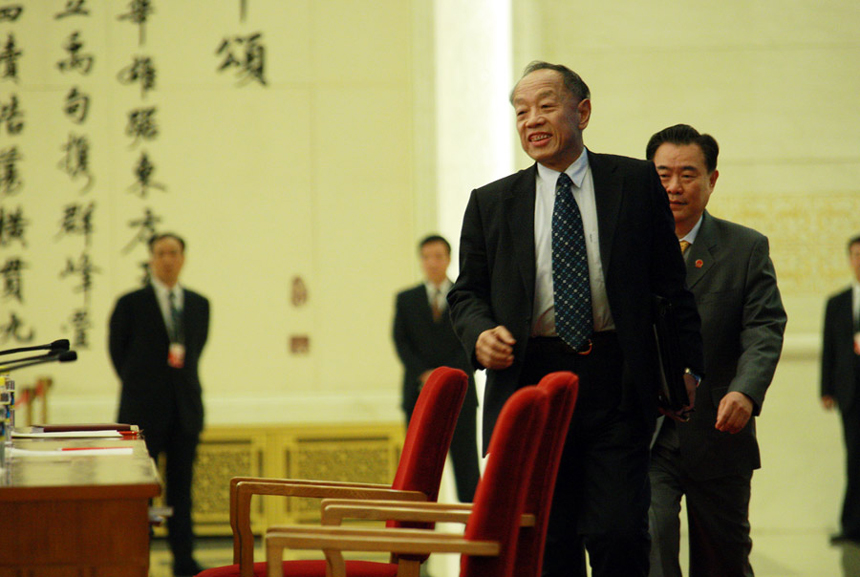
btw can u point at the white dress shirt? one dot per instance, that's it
(691, 236)
(583, 193)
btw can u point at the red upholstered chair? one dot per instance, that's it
(562, 388)
(488, 546)
(418, 476)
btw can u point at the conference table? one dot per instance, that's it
(70, 511)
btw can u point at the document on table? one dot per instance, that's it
(71, 452)
(69, 435)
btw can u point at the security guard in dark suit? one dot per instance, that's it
(157, 335)
(425, 340)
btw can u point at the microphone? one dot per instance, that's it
(60, 345)
(61, 357)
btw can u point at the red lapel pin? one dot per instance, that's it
(699, 263)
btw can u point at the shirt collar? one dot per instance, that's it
(575, 171)
(443, 288)
(162, 290)
(694, 232)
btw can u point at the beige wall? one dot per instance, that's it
(313, 175)
(776, 84)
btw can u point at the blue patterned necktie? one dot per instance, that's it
(570, 284)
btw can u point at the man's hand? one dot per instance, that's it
(682, 415)
(494, 349)
(734, 412)
(828, 402)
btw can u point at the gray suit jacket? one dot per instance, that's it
(732, 277)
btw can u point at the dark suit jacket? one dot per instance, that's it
(732, 277)
(838, 361)
(423, 344)
(640, 257)
(138, 348)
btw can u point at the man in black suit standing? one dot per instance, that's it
(710, 459)
(840, 386)
(559, 264)
(157, 334)
(425, 340)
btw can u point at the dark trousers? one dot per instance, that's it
(718, 517)
(464, 453)
(850, 518)
(602, 492)
(180, 449)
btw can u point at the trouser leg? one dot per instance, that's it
(464, 454)
(181, 451)
(664, 514)
(850, 517)
(718, 515)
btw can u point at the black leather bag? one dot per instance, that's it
(672, 392)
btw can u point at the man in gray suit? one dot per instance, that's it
(710, 459)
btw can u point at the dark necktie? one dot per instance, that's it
(175, 319)
(571, 289)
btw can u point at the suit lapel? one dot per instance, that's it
(846, 316)
(422, 304)
(155, 310)
(703, 252)
(607, 197)
(519, 207)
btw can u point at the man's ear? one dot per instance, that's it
(712, 178)
(584, 108)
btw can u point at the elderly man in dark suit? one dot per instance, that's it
(157, 335)
(710, 459)
(425, 340)
(559, 264)
(840, 386)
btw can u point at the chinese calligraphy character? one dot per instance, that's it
(147, 274)
(76, 161)
(73, 8)
(10, 114)
(251, 63)
(75, 60)
(13, 329)
(147, 226)
(11, 272)
(9, 59)
(81, 323)
(143, 171)
(85, 269)
(78, 219)
(10, 181)
(138, 13)
(10, 13)
(12, 226)
(141, 124)
(140, 70)
(77, 106)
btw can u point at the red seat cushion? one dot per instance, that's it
(310, 568)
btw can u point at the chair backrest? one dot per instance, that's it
(500, 498)
(429, 434)
(562, 389)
